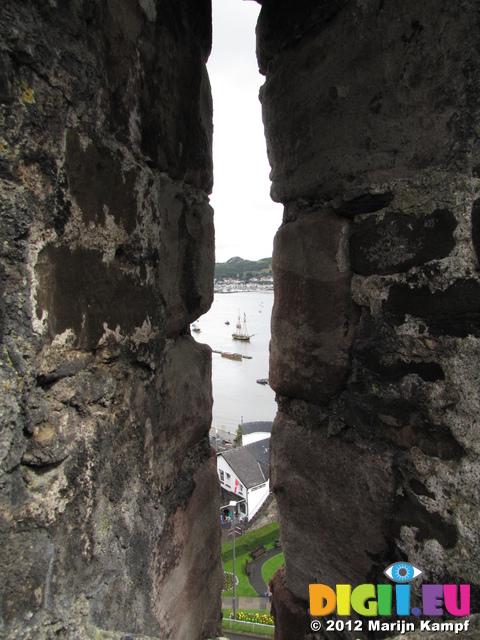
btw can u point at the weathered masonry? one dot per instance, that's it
(108, 488)
(371, 113)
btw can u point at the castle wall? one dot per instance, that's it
(108, 489)
(371, 118)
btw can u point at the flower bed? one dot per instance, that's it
(257, 618)
(228, 581)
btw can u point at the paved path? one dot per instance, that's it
(253, 604)
(260, 603)
(256, 580)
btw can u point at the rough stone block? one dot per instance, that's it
(365, 94)
(476, 227)
(177, 407)
(335, 504)
(314, 318)
(395, 242)
(78, 291)
(292, 621)
(453, 311)
(186, 259)
(189, 577)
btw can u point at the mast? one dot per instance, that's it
(239, 334)
(239, 326)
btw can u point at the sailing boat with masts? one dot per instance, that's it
(241, 333)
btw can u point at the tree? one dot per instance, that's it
(238, 438)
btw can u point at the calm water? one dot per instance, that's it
(236, 393)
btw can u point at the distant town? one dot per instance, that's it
(238, 274)
(232, 285)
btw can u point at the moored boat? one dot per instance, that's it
(241, 333)
(232, 356)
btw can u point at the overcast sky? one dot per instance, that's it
(246, 218)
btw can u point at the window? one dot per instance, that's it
(222, 476)
(228, 476)
(240, 488)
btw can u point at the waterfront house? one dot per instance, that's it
(244, 475)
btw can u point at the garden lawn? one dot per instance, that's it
(244, 588)
(269, 567)
(243, 546)
(249, 541)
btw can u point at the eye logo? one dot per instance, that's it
(377, 600)
(402, 572)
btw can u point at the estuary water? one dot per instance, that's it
(236, 393)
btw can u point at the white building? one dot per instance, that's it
(244, 475)
(255, 431)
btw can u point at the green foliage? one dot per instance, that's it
(243, 588)
(238, 438)
(258, 618)
(265, 535)
(270, 566)
(243, 545)
(243, 269)
(227, 581)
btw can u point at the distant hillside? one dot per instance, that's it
(243, 269)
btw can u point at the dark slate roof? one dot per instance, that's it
(254, 427)
(250, 463)
(261, 450)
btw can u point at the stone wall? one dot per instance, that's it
(371, 112)
(108, 487)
